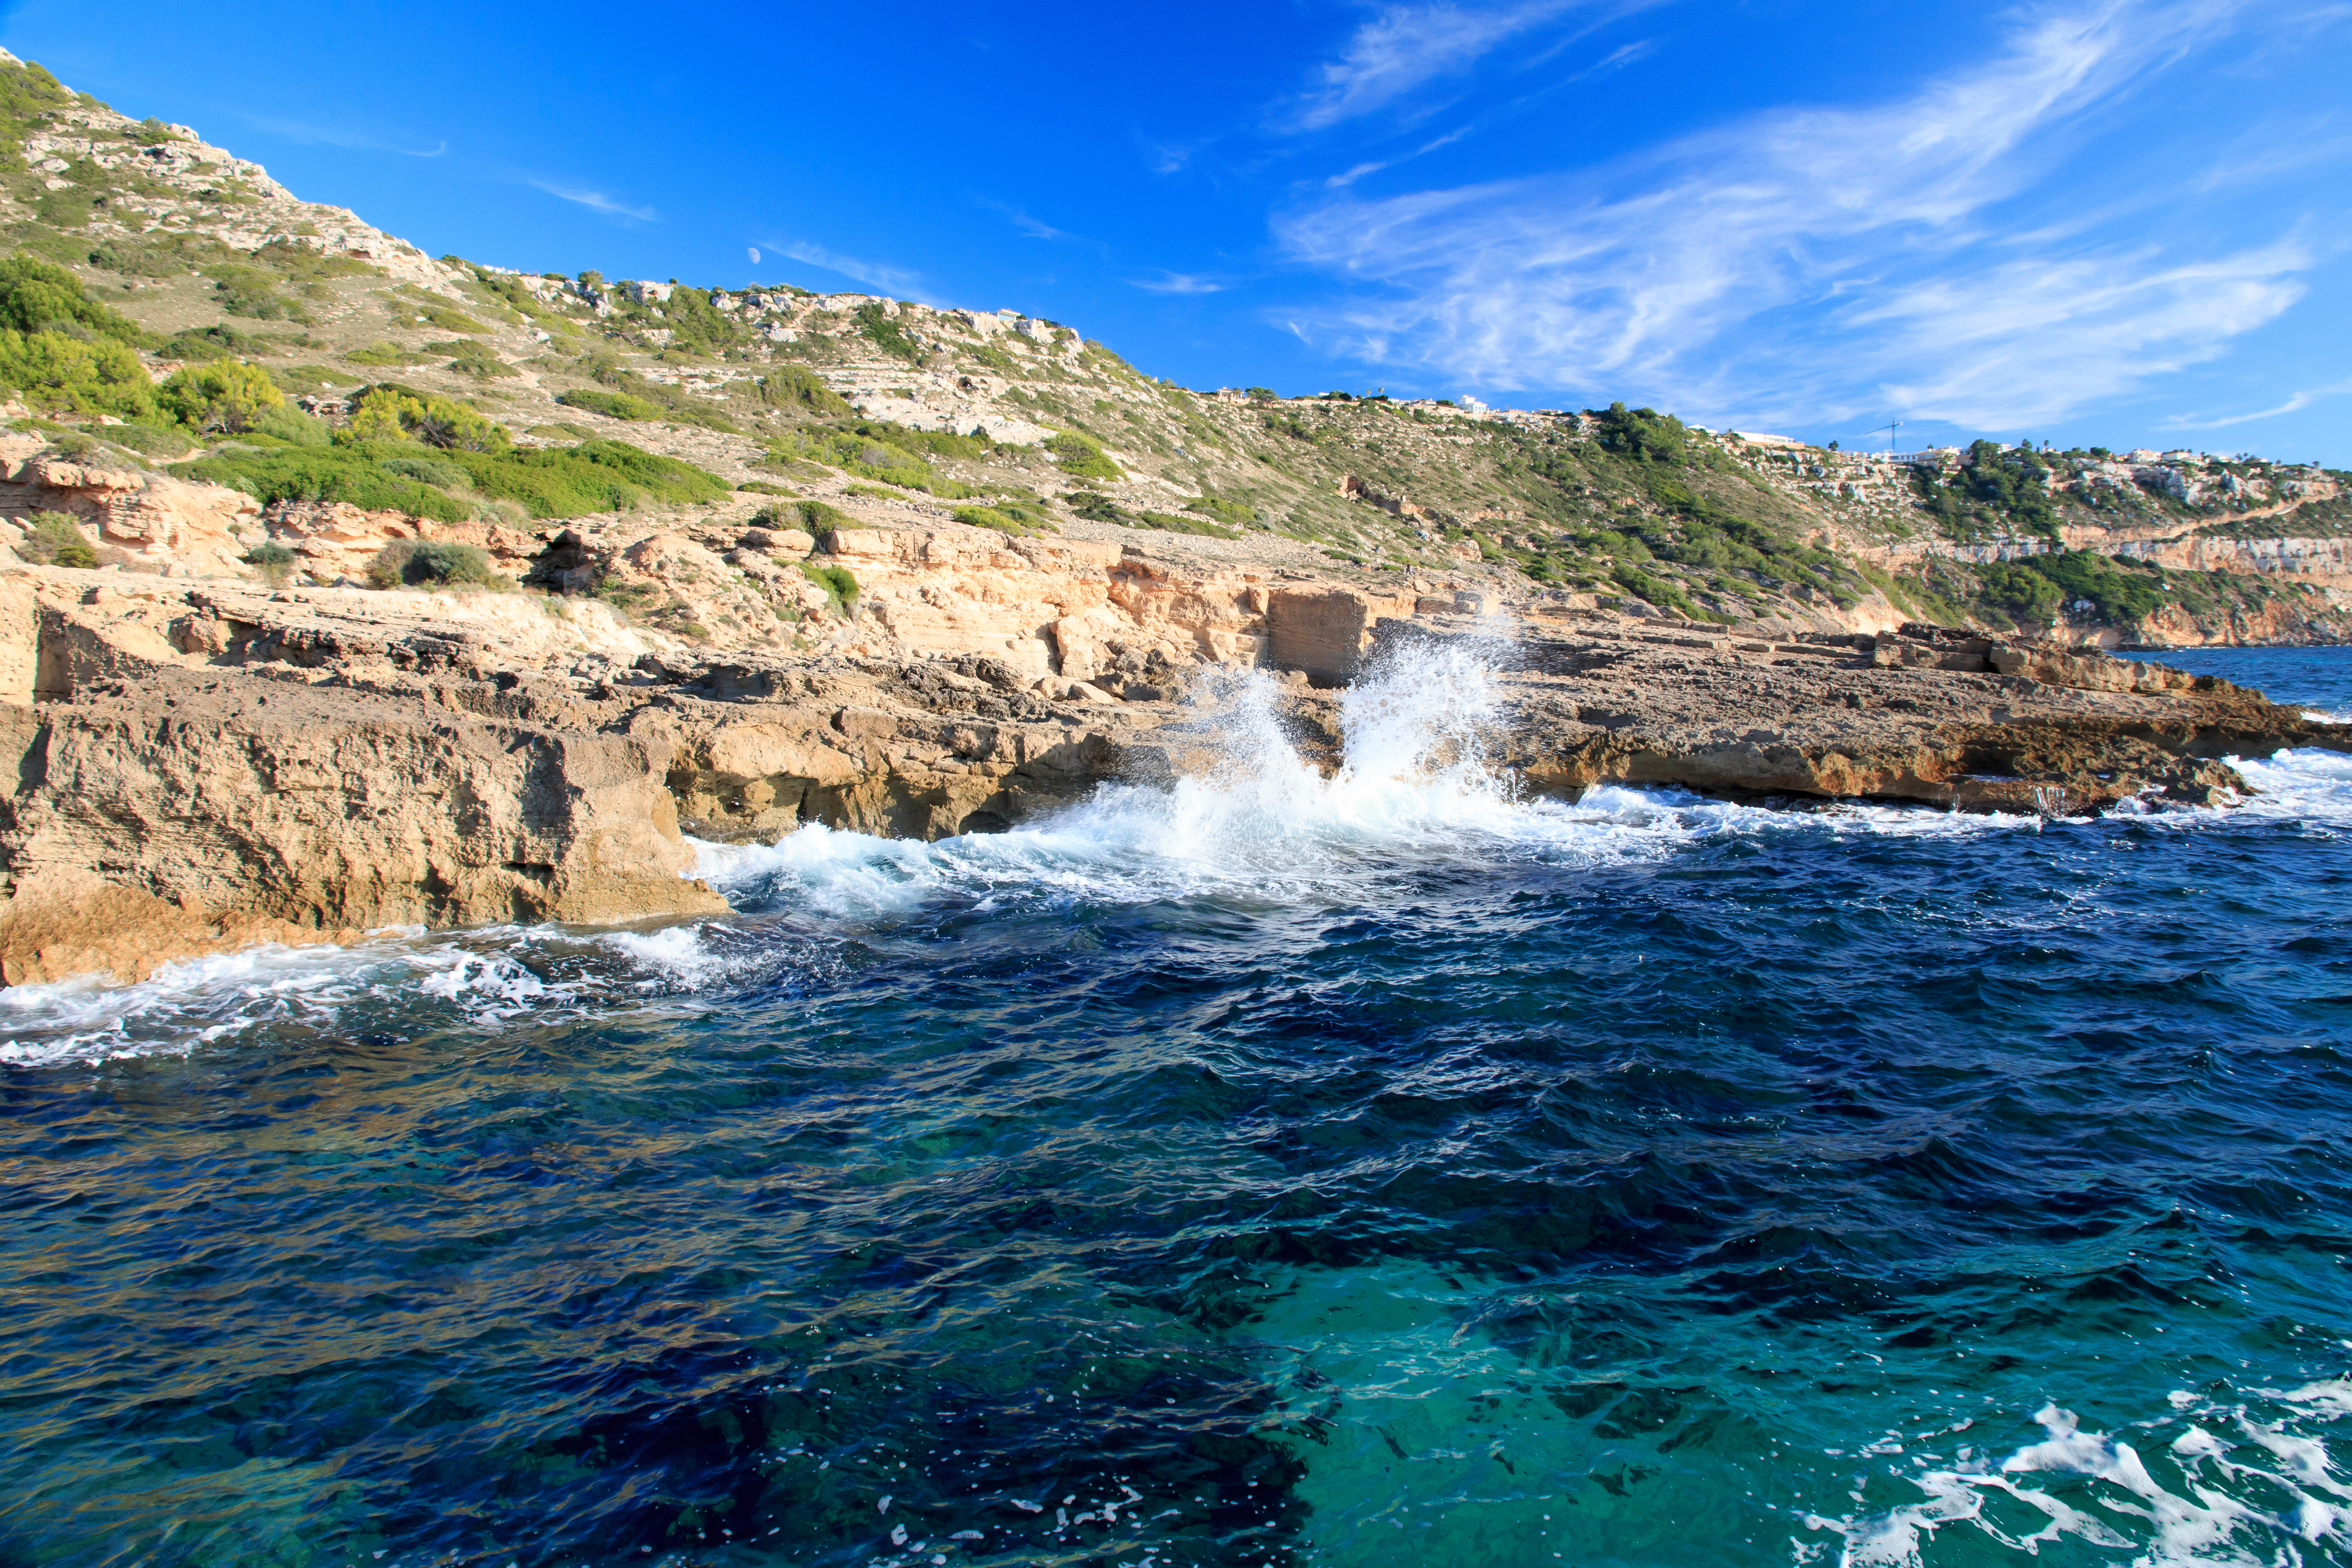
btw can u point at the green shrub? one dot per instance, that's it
(292, 426)
(219, 340)
(386, 412)
(299, 378)
(51, 370)
(473, 359)
(133, 261)
(441, 316)
(611, 404)
(761, 487)
(1173, 522)
(52, 540)
(1095, 507)
(300, 263)
(382, 475)
(417, 562)
(794, 387)
(594, 475)
(934, 442)
(840, 587)
(223, 396)
(1018, 522)
(886, 332)
(1659, 592)
(386, 353)
(816, 519)
(428, 471)
(349, 473)
(695, 324)
(38, 296)
(248, 291)
(1231, 513)
(149, 440)
(2025, 596)
(273, 561)
(1081, 457)
(1644, 434)
(2122, 594)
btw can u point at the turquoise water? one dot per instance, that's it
(1275, 1171)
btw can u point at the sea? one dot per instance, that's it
(1273, 1170)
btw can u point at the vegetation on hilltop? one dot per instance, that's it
(127, 300)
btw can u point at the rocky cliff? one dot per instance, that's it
(341, 588)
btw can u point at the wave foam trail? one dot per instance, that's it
(1264, 824)
(488, 977)
(2307, 783)
(2224, 1510)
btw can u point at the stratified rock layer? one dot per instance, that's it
(201, 763)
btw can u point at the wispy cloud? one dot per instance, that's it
(1037, 228)
(2294, 404)
(596, 200)
(875, 274)
(1803, 261)
(1403, 48)
(340, 136)
(1179, 283)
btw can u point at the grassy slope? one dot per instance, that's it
(1701, 524)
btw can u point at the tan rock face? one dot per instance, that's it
(205, 763)
(322, 811)
(162, 522)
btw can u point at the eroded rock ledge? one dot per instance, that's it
(202, 764)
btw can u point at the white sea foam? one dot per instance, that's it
(2243, 1498)
(487, 978)
(2309, 785)
(1260, 828)
(1265, 827)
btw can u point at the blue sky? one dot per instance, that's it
(2122, 223)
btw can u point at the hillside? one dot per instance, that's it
(397, 385)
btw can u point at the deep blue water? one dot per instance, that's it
(1275, 1173)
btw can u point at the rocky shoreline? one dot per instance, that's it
(202, 764)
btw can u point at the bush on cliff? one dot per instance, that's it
(840, 586)
(388, 413)
(1081, 457)
(611, 405)
(273, 560)
(52, 540)
(51, 370)
(885, 333)
(407, 477)
(420, 563)
(40, 296)
(793, 386)
(222, 397)
(1010, 518)
(349, 474)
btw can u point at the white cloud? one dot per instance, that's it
(332, 136)
(876, 274)
(2294, 404)
(596, 200)
(1752, 272)
(1179, 283)
(1407, 46)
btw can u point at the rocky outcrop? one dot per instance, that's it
(205, 763)
(150, 519)
(197, 811)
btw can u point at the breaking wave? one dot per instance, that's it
(2220, 1482)
(1258, 827)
